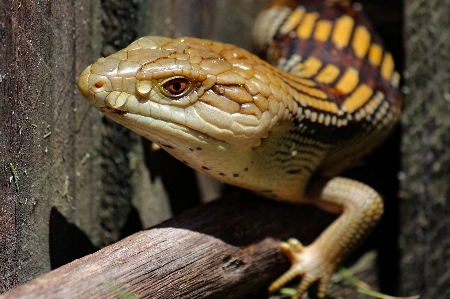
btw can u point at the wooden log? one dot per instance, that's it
(224, 249)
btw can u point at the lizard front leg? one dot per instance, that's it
(360, 207)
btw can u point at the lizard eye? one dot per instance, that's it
(175, 87)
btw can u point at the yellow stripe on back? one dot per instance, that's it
(342, 31)
(306, 26)
(323, 30)
(326, 106)
(387, 66)
(358, 98)
(348, 81)
(375, 54)
(293, 20)
(328, 74)
(361, 41)
(309, 68)
(307, 100)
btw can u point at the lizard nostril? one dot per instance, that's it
(99, 86)
(99, 83)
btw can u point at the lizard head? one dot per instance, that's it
(191, 88)
(187, 93)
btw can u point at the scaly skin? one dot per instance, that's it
(282, 134)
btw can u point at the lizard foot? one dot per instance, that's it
(308, 263)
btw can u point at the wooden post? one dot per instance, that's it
(49, 139)
(425, 213)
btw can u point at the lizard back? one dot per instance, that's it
(335, 47)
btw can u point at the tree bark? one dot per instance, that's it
(225, 249)
(425, 213)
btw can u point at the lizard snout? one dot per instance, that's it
(93, 86)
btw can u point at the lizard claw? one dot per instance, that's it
(290, 247)
(308, 263)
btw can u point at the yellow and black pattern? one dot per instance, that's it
(335, 47)
(348, 78)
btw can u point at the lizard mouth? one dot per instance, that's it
(161, 131)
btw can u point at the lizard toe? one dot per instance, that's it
(307, 264)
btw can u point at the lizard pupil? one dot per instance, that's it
(177, 86)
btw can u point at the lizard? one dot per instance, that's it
(284, 130)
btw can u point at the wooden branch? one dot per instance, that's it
(224, 249)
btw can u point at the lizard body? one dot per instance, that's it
(285, 132)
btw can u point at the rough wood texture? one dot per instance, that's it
(46, 133)
(425, 213)
(224, 249)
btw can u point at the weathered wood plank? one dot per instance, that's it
(44, 132)
(425, 213)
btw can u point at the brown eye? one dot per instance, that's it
(176, 87)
